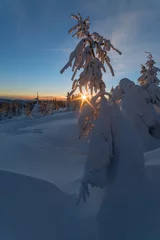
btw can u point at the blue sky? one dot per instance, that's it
(35, 44)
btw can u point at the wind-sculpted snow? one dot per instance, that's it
(110, 129)
(131, 200)
(139, 112)
(135, 101)
(117, 93)
(34, 209)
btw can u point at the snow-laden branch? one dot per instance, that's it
(81, 27)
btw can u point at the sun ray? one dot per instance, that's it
(90, 104)
(84, 98)
(81, 105)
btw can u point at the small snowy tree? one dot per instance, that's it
(149, 72)
(152, 70)
(36, 112)
(149, 80)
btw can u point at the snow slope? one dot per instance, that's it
(35, 209)
(49, 151)
(47, 148)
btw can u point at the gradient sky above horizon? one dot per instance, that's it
(35, 44)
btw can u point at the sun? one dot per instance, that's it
(83, 97)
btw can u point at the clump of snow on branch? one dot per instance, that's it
(90, 55)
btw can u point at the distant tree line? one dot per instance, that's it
(11, 109)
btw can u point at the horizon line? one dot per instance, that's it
(19, 97)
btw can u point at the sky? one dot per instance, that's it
(35, 44)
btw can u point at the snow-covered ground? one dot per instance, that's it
(48, 149)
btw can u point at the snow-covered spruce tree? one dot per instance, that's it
(89, 55)
(150, 83)
(149, 80)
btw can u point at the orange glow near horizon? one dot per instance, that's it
(30, 94)
(32, 97)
